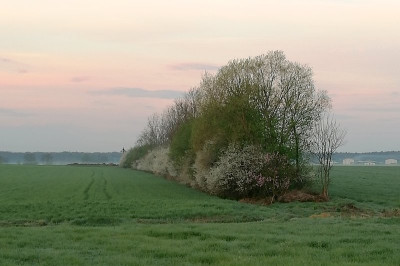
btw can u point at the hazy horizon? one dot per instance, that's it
(84, 76)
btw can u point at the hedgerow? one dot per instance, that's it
(243, 132)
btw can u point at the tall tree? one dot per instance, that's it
(328, 136)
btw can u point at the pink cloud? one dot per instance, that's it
(10, 65)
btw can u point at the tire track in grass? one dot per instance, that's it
(86, 191)
(108, 196)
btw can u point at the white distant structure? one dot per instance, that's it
(369, 163)
(348, 161)
(391, 161)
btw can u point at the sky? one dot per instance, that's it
(85, 75)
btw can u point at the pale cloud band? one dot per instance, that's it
(13, 113)
(9, 65)
(140, 93)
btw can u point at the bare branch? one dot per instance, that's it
(328, 136)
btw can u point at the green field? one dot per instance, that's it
(74, 215)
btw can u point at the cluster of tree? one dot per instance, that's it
(58, 158)
(246, 131)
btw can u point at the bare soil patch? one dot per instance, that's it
(391, 213)
(321, 215)
(302, 196)
(290, 196)
(257, 201)
(350, 210)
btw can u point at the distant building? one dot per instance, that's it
(369, 163)
(348, 161)
(391, 161)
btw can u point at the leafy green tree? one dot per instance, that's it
(181, 144)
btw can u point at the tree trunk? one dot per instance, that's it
(297, 155)
(325, 192)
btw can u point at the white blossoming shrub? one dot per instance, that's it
(235, 172)
(248, 172)
(240, 171)
(157, 161)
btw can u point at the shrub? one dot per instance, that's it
(186, 175)
(234, 175)
(129, 159)
(276, 176)
(248, 172)
(158, 162)
(205, 159)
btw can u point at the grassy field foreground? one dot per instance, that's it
(54, 215)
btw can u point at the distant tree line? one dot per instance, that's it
(378, 157)
(59, 158)
(246, 131)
